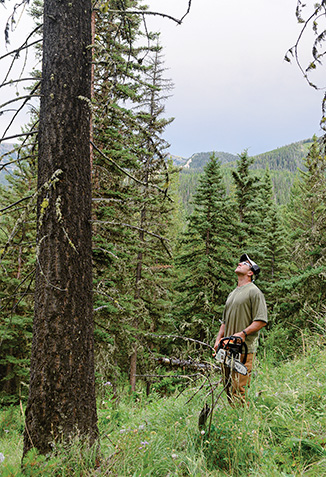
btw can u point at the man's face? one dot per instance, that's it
(243, 268)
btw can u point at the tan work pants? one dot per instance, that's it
(236, 384)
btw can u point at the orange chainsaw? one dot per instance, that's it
(229, 353)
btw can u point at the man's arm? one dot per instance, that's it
(252, 328)
(220, 335)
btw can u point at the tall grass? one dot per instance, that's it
(281, 433)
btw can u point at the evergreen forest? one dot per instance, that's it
(167, 234)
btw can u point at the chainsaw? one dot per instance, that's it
(229, 353)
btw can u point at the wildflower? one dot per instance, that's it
(202, 432)
(174, 456)
(2, 457)
(107, 384)
(144, 443)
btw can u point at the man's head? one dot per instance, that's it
(247, 267)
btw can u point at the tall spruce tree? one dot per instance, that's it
(131, 179)
(155, 208)
(206, 258)
(300, 297)
(246, 192)
(311, 244)
(272, 250)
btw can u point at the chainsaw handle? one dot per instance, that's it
(228, 340)
(244, 344)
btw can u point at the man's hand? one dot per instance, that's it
(219, 336)
(241, 335)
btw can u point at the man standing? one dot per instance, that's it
(245, 313)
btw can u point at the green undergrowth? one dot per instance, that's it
(282, 433)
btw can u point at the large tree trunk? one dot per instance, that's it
(61, 399)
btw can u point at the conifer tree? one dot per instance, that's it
(311, 245)
(246, 191)
(272, 251)
(300, 296)
(274, 246)
(206, 258)
(155, 207)
(133, 212)
(61, 398)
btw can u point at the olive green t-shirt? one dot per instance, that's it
(244, 305)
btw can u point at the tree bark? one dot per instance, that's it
(61, 401)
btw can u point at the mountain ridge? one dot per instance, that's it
(288, 157)
(284, 158)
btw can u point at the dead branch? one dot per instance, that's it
(19, 98)
(6, 164)
(185, 376)
(182, 363)
(15, 203)
(21, 107)
(30, 133)
(31, 274)
(24, 45)
(144, 12)
(19, 80)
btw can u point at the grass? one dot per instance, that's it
(282, 433)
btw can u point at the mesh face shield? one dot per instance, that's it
(254, 267)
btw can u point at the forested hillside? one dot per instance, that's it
(282, 162)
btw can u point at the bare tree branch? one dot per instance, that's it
(19, 80)
(25, 44)
(19, 98)
(30, 133)
(15, 203)
(32, 95)
(143, 12)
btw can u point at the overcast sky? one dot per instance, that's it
(233, 89)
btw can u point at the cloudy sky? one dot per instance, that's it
(233, 89)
